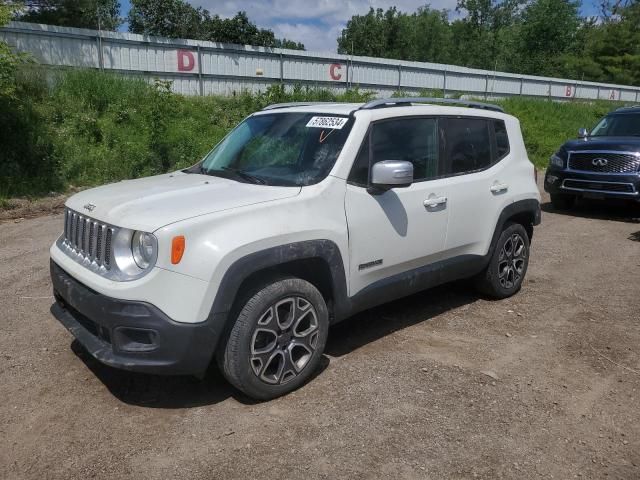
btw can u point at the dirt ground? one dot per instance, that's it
(440, 385)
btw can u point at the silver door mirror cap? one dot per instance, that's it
(583, 133)
(391, 174)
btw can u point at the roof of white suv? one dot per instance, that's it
(332, 108)
(436, 106)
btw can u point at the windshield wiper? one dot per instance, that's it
(244, 175)
(222, 172)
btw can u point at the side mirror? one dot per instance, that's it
(390, 174)
(583, 133)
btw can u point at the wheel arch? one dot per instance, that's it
(525, 212)
(317, 261)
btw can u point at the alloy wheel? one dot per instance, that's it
(511, 261)
(284, 340)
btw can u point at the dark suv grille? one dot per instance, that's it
(599, 186)
(604, 162)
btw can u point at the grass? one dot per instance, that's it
(83, 127)
(546, 125)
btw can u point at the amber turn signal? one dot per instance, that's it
(177, 249)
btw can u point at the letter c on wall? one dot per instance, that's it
(334, 71)
(186, 61)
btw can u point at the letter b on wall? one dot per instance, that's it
(186, 61)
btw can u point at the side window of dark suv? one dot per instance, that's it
(410, 139)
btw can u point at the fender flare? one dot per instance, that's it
(530, 206)
(243, 268)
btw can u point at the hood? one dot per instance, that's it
(625, 144)
(153, 202)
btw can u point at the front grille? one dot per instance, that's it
(605, 162)
(612, 187)
(87, 238)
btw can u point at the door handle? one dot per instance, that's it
(499, 188)
(435, 201)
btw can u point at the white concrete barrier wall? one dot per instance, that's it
(204, 68)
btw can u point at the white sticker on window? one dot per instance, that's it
(327, 122)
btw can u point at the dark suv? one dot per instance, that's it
(602, 164)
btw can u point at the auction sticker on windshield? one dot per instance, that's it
(327, 122)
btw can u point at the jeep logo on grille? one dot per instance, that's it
(89, 206)
(599, 162)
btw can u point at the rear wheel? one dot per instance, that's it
(507, 267)
(562, 202)
(277, 340)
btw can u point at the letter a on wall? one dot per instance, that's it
(186, 61)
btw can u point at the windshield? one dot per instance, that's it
(286, 149)
(618, 125)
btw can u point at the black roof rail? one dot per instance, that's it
(407, 101)
(626, 107)
(276, 106)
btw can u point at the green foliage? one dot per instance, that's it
(483, 38)
(9, 60)
(421, 36)
(178, 19)
(539, 37)
(547, 125)
(92, 128)
(548, 30)
(83, 127)
(73, 13)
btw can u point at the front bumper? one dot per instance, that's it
(592, 185)
(132, 335)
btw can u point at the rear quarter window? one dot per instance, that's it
(502, 140)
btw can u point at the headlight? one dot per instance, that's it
(556, 160)
(134, 254)
(143, 248)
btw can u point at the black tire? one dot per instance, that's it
(562, 202)
(507, 267)
(265, 355)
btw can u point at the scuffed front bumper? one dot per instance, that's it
(593, 185)
(132, 335)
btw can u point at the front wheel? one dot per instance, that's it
(277, 340)
(507, 267)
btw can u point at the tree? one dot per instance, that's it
(290, 44)
(9, 60)
(548, 30)
(178, 19)
(422, 36)
(238, 30)
(481, 38)
(613, 48)
(365, 35)
(93, 14)
(167, 18)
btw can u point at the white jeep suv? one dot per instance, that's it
(303, 215)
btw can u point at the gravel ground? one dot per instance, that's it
(440, 385)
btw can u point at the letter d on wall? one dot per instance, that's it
(186, 61)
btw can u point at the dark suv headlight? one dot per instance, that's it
(558, 159)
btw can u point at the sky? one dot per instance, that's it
(315, 23)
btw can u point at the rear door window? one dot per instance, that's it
(467, 145)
